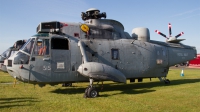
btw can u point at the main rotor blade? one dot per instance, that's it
(179, 35)
(170, 31)
(161, 34)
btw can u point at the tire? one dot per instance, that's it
(86, 92)
(92, 92)
(167, 81)
(66, 84)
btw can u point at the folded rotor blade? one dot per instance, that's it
(179, 35)
(161, 34)
(170, 31)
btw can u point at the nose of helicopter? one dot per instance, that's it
(11, 69)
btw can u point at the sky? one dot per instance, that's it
(19, 18)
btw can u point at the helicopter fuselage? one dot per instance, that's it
(96, 50)
(135, 59)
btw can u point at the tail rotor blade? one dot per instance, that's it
(179, 34)
(170, 31)
(161, 34)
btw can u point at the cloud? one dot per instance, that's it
(190, 16)
(186, 12)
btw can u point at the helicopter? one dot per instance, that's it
(94, 51)
(9, 52)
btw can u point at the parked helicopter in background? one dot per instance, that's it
(96, 50)
(9, 52)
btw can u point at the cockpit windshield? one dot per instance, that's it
(41, 48)
(6, 53)
(28, 46)
(22, 57)
(25, 44)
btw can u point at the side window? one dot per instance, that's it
(116, 35)
(58, 43)
(100, 33)
(115, 54)
(21, 58)
(41, 47)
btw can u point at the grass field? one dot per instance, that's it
(182, 95)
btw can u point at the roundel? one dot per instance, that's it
(84, 28)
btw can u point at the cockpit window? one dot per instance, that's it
(25, 44)
(21, 58)
(28, 46)
(41, 47)
(12, 52)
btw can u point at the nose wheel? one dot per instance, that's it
(163, 79)
(91, 91)
(167, 81)
(66, 84)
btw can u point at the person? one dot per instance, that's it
(42, 50)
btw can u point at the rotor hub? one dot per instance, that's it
(92, 13)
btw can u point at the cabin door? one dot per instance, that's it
(60, 59)
(40, 64)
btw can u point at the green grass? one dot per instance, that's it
(182, 95)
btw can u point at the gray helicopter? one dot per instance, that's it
(96, 50)
(9, 52)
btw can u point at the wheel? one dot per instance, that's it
(92, 92)
(167, 81)
(86, 91)
(66, 84)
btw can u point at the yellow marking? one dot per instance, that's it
(14, 83)
(84, 28)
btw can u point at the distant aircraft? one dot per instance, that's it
(96, 50)
(9, 52)
(195, 63)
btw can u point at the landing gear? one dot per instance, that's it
(66, 84)
(166, 81)
(90, 91)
